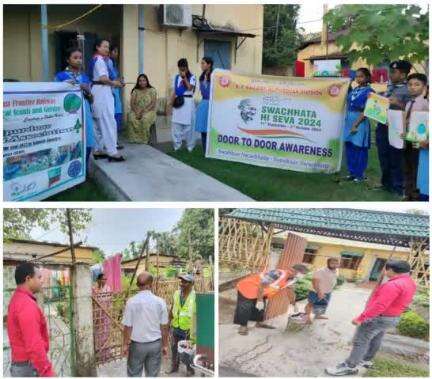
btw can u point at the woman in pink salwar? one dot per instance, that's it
(102, 323)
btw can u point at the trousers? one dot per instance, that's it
(144, 356)
(368, 338)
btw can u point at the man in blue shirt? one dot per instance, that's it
(390, 158)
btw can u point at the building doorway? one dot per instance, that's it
(377, 269)
(220, 52)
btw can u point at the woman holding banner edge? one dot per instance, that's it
(357, 127)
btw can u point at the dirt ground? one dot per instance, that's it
(306, 352)
(117, 369)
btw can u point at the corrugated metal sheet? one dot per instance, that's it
(292, 254)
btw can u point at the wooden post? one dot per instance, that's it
(144, 247)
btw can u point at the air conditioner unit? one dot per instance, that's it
(176, 15)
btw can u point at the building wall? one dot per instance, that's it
(162, 47)
(318, 49)
(366, 264)
(326, 249)
(21, 251)
(21, 35)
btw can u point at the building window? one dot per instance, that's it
(220, 52)
(277, 246)
(309, 255)
(350, 261)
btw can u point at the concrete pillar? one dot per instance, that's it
(129, 52)
(83, 321)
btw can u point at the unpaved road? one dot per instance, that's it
(279, 353)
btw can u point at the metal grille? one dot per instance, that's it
(292, 254)
(57, 306)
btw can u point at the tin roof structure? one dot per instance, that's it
(388, 228)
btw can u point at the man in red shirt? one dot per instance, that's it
(256, 289)
(27, 327)
(387, 303)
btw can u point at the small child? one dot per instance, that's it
(417, 85)
(357, 127)
(73, 74)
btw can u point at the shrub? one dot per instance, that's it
(340, 280)
(303, 286)
(413, 325)
(422, 298)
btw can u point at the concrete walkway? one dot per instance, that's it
(306, 352)
(150, 175)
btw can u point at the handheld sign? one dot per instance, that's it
(418, 127)
(396, 128)
(43, 139)
(376, 108)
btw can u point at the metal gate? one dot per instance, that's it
(108, 312)
(57, 305)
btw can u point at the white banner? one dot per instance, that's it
(43, 139)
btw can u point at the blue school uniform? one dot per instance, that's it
(114, 74)
(202, 112)
(357, 144)
(423, 173)
(81, 78)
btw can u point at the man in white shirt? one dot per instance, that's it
(145, 335)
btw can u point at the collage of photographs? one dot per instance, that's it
(216, 190)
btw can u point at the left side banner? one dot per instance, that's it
(43, 139)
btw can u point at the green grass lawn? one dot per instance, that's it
(394, 368)
(271, 184)
(87, 191)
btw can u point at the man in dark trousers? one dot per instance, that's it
(390, 158)
(382, 311)
(182, 315)
(26, 326)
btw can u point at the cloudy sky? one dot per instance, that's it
(113, 229)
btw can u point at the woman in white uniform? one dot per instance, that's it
(183, 107)
(103, 104)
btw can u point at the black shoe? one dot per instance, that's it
(100, 156)
(116, 159)
(120, 147)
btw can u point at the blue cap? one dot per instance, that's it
(187, 277)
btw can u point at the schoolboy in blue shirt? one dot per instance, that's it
(390, 158)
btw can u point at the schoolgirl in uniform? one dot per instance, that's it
(183, 107)
(203, 106)
(73, 74)
(103, 104)
(357, 127)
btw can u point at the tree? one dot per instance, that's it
(132, 251)
(98, 256)
(19, 222)
(380, 33)
(281, 38)
(166, 242)
(195, 230)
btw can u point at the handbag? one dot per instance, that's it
(178, 102)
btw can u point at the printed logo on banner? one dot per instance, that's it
(334, 90)
(19, 189)
(74, 168)
(247, 110)
(72, 103)
(224, 81)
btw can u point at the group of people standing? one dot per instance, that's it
(405, 171)
(103, 110)
(382, 311)
(102, 99)
(148, 326)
